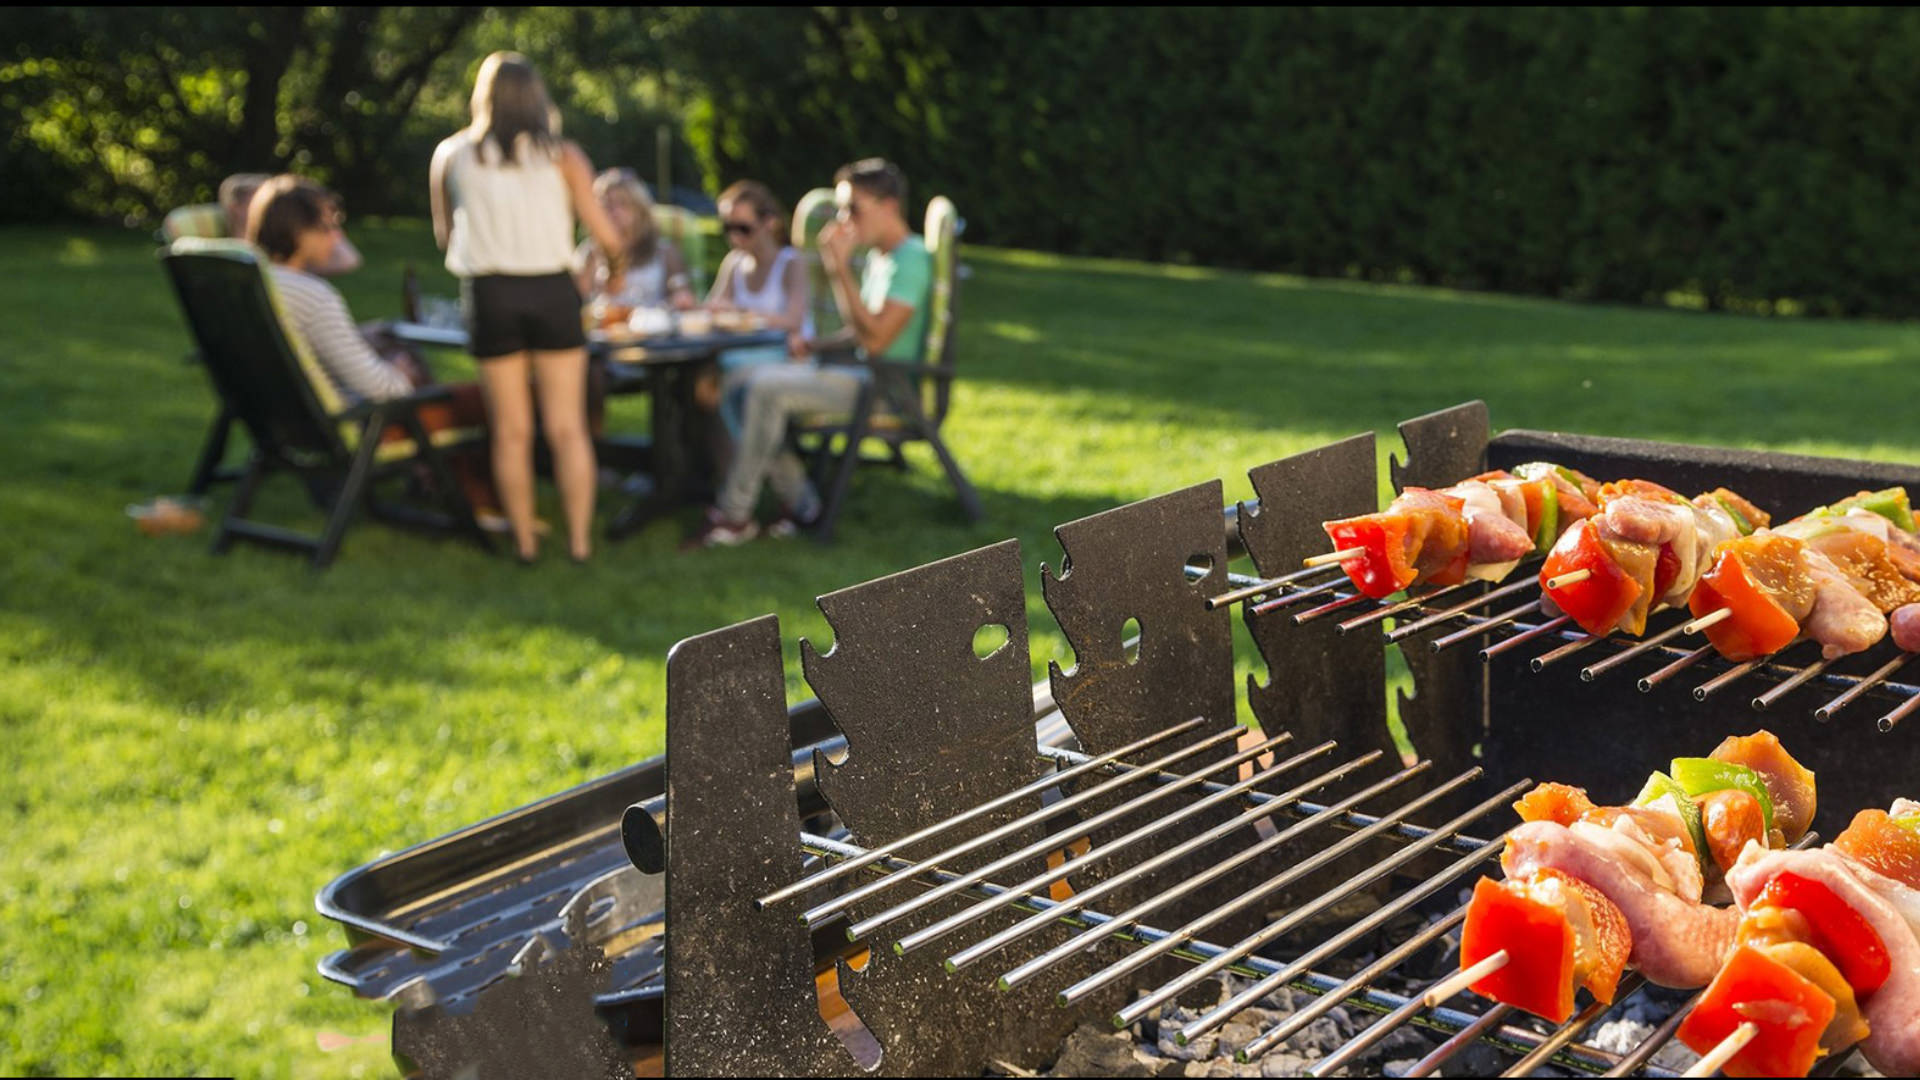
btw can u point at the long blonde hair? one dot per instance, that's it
(509, 101)
(622, 183)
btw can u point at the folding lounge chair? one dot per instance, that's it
(206, 221)
(901, 402)
(269, 381)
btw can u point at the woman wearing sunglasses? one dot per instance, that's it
(762, 274)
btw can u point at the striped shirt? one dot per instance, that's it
(318, 314)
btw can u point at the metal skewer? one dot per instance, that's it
(814, 915)
(1336, 997)
(1487, 654)
(1293, 919)
(1088, 939)
(1248, 592)
(874, 855)
(1139, 959)
(1787, 685)
(1113, 847)
(1588, 673)
(1825, 712)
(1573, 1028)
(1442, 644)
(1293, 598)
(1649, 682)
(1539, 663)
(1226, 1010)
(1719, 682)
(1083, 898)
(1043, 845)
(1391, 610)
(1439, 617)
(1461, 1039)
(1900, 712)
(1329, 608)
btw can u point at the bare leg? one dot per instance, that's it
(563, 411)
(510, 416)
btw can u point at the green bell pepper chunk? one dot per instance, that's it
(1661, 786)
(1890, 503)
(1739, 519)
(1549, 519)
(1701, 776)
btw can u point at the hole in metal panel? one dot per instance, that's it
(1130, 640)
(990, 639)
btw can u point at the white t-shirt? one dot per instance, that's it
(507, 218)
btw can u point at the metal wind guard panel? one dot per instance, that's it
(931, 730)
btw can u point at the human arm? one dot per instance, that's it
(873, 331)
(320, 316)
(437, 194)
(679, 294)
(577, 169)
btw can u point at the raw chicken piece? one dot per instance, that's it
(1677, 942)
(1843, 621)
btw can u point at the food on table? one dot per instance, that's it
(1480, 528)
(1826, 954)
(1590, 888)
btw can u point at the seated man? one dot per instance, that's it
(297, 223)
(886, 316)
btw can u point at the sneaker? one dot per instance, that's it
(793, 522)
(495, 522)
(716, 531)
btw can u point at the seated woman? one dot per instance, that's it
(297, 223)
(762, 274)
(656, 274)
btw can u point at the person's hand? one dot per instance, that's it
(836, 243)
(616, 283)
(682, 300)
(798, 347)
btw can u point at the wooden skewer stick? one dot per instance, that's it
(1333, 557)
(1571, 577)
(1464, 978)
(1724, 1052)
(1709, 619)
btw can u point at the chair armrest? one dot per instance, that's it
(426, 395)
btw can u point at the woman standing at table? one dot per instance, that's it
(506, 191)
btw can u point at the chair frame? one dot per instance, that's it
(341, 478)
(893, 387)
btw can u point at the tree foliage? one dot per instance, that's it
(1755, 159)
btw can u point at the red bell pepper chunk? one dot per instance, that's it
(1788, 1010)
(1539, 943)
(1840, 932)
(1759, 626)
(1385, 568)
(1599, 602)
(1665, 570)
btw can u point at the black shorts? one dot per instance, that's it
(507, 314)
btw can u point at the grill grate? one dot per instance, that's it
(1419, 615)
(861, 873)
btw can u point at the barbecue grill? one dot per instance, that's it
(912, 876)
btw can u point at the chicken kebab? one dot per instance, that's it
(1591, 889)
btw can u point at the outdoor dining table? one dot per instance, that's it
(667, 366)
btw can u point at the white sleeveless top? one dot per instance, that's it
(771, 297)
(507, 218)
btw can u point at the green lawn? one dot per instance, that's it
(197, 744)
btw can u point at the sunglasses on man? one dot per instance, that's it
(740, 228)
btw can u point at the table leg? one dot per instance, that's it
(670, 459)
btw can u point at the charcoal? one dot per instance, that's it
(1199, 1049)
(1404, 1042)
(1400, 1067)
(1281, 1063)
(1233, 1036)
(1476, 1059)
(1095, 1051)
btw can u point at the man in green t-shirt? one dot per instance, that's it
(885, 312)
